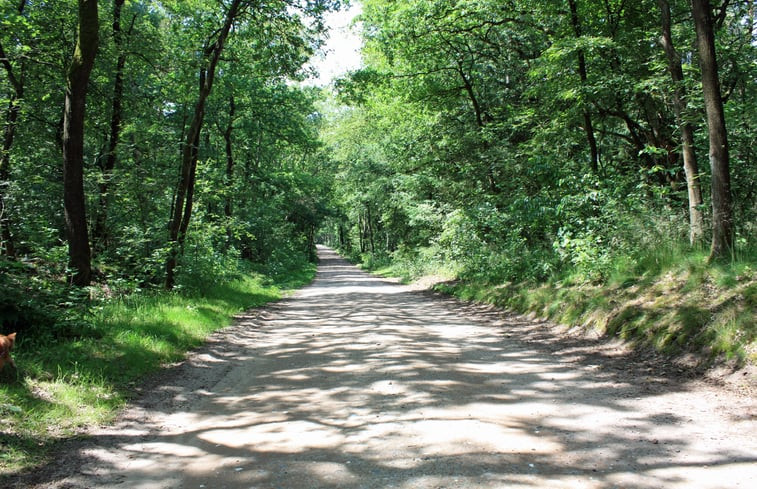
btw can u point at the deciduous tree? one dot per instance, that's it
(73, 142)
(722, 207)
(680, 106)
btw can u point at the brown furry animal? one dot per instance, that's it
(6, 344)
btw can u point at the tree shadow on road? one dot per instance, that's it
(358, 383)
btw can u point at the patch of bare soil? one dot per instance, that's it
(358, 382)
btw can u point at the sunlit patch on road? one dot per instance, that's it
(359, 383)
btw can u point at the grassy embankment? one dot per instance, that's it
(669, 299)
(64, 385)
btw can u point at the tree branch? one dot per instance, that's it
(9, 70)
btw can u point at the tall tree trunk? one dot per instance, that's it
(722, 208)
(312, 255)
(481, 120)
(182, 211)
(361, 233)
(11, 121)
(79, 253)
(100, 231)
(189, 199)
(588, 126)
(6, 236)
(227, 207)
(369, 221)
(680, 102)
(9, 133)
(229, 156)
(477, 111)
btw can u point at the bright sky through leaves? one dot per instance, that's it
(342, 50)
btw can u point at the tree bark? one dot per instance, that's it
(588, 126)
(722, 208)
(362, 232)
(482, 119)
(680, 106)
(79, 253)
(182, 211)
(11, 122)
(190, 192)
(6, 236)
(9, 133)
(471, 95)
(100, 231)
(229, 156)
(369, 221)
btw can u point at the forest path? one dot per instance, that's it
(357, 382)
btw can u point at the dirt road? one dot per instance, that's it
(356, 382)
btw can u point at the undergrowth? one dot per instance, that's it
(77, 374)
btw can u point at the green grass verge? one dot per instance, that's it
(679, 307)
(66, 384)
